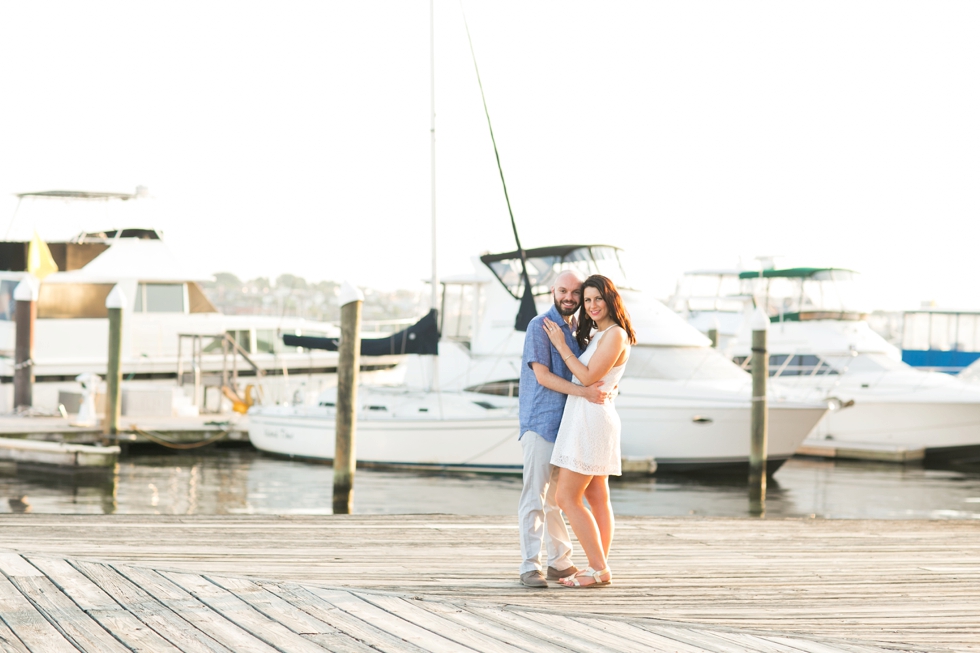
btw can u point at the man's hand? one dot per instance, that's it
(595, 393)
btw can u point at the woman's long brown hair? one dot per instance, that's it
(614, 302)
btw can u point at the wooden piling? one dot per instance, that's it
(348, 364)
(113, 408)
(760, 413)
(25, 315)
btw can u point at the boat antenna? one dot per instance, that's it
(13, 218)
(432, 130)
(527, 310)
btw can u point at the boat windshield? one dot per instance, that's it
(709, 291)
(546, 263)
(817, 294)
(680, 364)
(941, 331)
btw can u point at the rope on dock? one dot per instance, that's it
(178, 445)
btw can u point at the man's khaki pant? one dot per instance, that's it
(538, 513)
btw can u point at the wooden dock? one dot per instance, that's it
(449, 583)
(872, 451)
(135, 430)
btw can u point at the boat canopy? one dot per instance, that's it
(134, 258)
(794, 294)
(544, 264)
(818, 274)
(420, 338)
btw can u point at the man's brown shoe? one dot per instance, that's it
(533, 578)
(555, 574)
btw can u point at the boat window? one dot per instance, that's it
(915, 332)
(73, 300)
(462, 303)
(680, 363)
(243, 337)
(791, 365)
(159, 298)
(941, 331)
(507, 388)
(865, 363)
(939, 327)
(542, 270)
(7, 303)
(966, 328)
(269, 341)
(265, 341)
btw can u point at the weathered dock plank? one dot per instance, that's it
(367, 633)
(232, 608)
(100, 606)
(77, 626)
(907, 582)
(281, 611)
(161, 618)
(27, 624)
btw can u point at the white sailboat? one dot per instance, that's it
(821, 345)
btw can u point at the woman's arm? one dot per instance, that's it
(594, 393)
(608, 352)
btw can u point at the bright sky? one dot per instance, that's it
(294, 136)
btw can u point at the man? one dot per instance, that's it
(545, 384)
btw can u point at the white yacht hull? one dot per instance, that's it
(488, 445)
(684, 445)
(944, 430)
(666, 433)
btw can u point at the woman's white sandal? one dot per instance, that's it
(572, 581)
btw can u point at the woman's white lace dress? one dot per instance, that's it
(588, 438)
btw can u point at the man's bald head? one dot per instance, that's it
(569, 278)
(567, 292)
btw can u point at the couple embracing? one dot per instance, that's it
(574, 356)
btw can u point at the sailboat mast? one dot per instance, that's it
(432, 132)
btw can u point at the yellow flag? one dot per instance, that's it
(39, 260)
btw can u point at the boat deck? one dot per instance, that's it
(438, 582)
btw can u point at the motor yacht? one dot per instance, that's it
(821, 345)
(682, 404)
(172, 334)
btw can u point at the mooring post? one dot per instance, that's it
(348, 364)
(114, 303)
(25, 315)
(760, 413)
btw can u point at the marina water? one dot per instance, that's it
(241, 481)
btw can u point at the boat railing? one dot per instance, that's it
(231, 350)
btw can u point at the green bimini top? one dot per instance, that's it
(789, 273)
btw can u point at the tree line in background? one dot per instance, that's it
(290, 295)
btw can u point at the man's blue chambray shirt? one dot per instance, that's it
(542, 408)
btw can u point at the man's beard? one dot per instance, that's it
(564, 312)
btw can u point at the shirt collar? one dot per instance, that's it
(555, 316)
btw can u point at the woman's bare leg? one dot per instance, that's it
(571, 490)
(597, 494)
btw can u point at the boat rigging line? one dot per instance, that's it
(527, 310)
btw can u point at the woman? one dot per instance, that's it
(587, 449)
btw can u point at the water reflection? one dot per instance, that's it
(241, 481)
